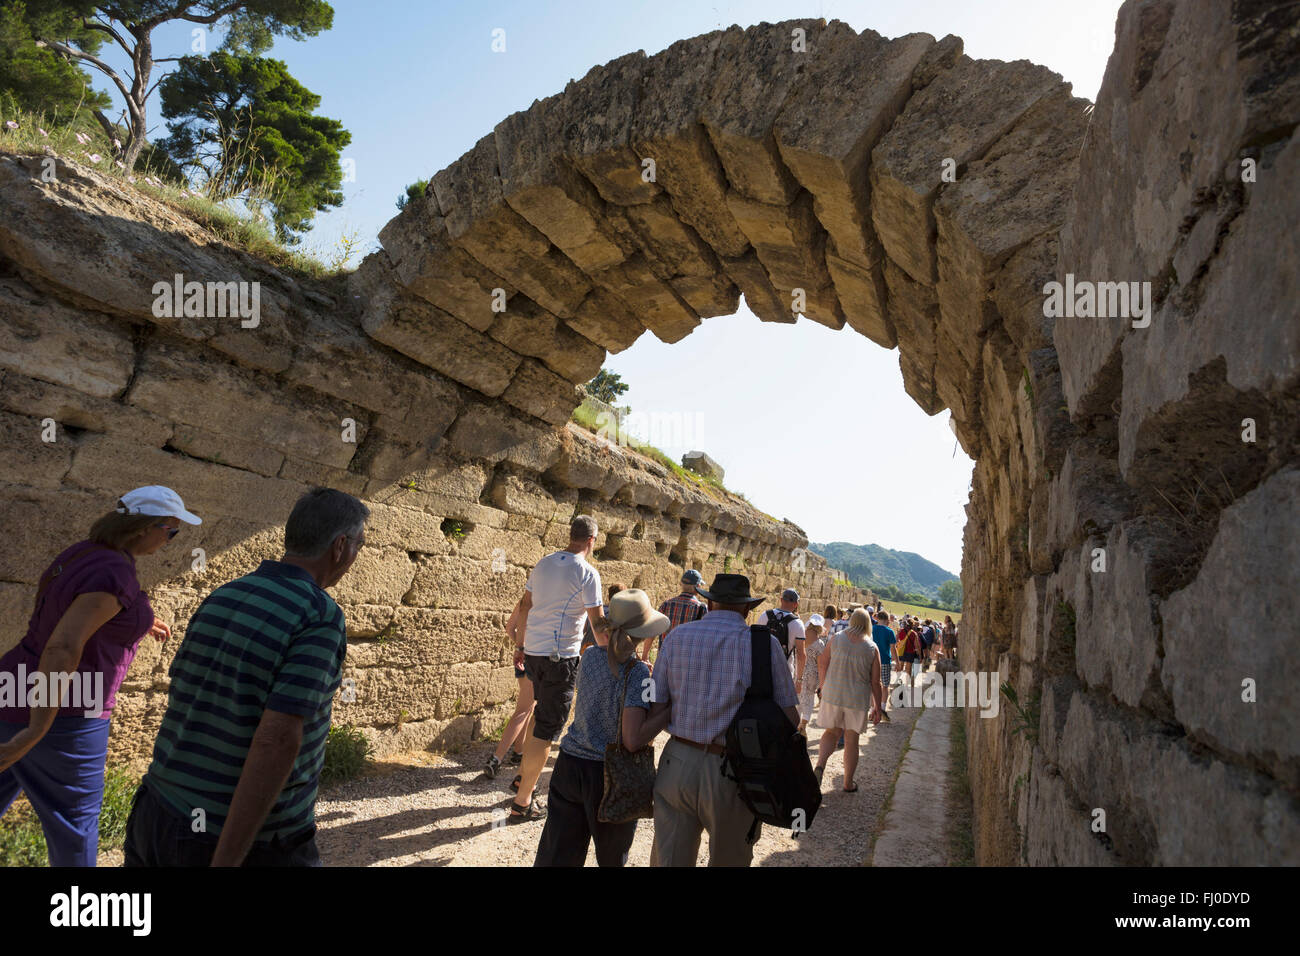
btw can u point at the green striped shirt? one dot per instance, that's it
(271, 640)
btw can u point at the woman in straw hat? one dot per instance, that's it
(611, 682)
(89, 617)
(850, 668)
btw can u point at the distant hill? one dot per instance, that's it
(871, 565)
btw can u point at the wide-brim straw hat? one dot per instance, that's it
(630, 611)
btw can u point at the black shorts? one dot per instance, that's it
(553, 683)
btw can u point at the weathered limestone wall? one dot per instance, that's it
(1141, 667)
(778, 170)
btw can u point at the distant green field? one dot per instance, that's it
(933, 613)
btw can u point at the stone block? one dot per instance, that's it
(27, 458)
(176, 384)
(1256, 552)
(46, 340)
(848, 96)
(76, 410)
(667, 130)
(739, 113)
(957, 117)
(441, 341)
(227, 450)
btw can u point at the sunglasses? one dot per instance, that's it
(171, 532)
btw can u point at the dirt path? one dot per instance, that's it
(440, 811)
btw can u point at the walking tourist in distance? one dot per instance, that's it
(257, 672)
(909, 642)
(884, 638)
(89, 617)
(702, 676)
(808, 679)
(612, 689)
(851, 694)
(786, 616)
(562, 593)
(949, 629)
(514, 734)
(682, 609)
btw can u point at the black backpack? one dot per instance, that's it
(765, 756)
(779, 627)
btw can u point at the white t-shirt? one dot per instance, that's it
(563, 586)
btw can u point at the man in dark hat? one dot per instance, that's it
(702, 675)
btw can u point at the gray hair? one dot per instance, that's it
(319, 517)
(582, 528)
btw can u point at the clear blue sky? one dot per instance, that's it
(831, 440)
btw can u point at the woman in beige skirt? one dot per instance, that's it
(850, 668)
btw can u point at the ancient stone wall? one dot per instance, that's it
(898, 187)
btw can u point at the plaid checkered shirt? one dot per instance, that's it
(703, 673)
(682, 609)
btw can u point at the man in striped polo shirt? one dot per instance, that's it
(238, 757)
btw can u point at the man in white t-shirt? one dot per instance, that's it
(562, 592)
(788, 610)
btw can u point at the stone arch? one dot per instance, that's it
(655, 191)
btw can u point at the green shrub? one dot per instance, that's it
(346, 752)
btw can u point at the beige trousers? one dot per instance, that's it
(691, 796)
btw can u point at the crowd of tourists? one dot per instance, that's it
(237, 759)
(683, 669)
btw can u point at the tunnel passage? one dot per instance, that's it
(925, 199)
(897, 187)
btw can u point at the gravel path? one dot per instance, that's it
(429, 810)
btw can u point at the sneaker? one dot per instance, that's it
(884, 715)
(515, 757)
(493, 765)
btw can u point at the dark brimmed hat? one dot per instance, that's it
(730, 589)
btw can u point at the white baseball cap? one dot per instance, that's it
(156, 500)
(816, 620)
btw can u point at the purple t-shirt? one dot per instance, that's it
(111, 649)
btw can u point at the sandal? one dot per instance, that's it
(819, 770)
(852, 789)
(520, 814)
(514, 784)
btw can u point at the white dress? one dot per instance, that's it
(808, 691)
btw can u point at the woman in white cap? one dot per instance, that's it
(89, 617)
(612, 685)
(808, 680)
